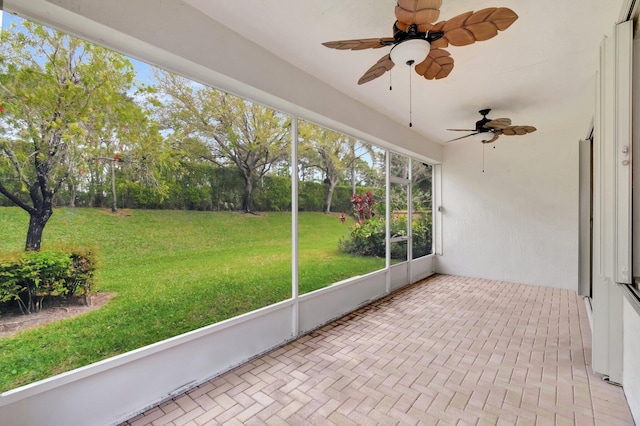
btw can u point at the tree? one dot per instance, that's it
(55, 91)
(326, 151)
(332, 153)
(128, 141)
(248, 136)
(362, 158)
(421, 175)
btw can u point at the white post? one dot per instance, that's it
(387, 222)
(410, 222)
(295, 323)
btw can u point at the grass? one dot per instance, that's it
(173, 271)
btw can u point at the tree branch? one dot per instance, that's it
(16, 165)
(60, 182)
(15, 200)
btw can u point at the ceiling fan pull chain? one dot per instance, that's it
(410, 63)
(483, 145)
(390, 85)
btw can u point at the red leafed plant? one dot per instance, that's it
(363, 206)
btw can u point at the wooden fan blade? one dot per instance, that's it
(441, 42)
(383, 65)
(438, 64)
(502, 18)
(462, 137)
(462, 130)
(498, 124)
(470, 27)
(493, 139)
(359, 44)
(518, 130)
(419, 12)
(456, 22)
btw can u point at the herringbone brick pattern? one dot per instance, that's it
(447, 351)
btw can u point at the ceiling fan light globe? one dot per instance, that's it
(410, 52)
(482, 136)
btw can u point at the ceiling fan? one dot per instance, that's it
(490, 130)
(418, 41)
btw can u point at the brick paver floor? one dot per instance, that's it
(446, 351)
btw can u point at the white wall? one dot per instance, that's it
(517, 221)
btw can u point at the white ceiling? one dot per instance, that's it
(538, 72)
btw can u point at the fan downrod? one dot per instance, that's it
(480, 123)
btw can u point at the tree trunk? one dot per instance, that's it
(93, 185)
(246, 198)
(327, 206)
(114, 205)
(353, 180)
(72, 196)
(37, 220)
(353, 168)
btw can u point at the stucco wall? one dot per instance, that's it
(518, 220)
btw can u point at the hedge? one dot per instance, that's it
(28, 278)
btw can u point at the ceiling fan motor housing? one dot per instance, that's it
(480, 123)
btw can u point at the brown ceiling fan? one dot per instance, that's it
(418, 41)
(490, 130)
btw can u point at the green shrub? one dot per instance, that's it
(421, 233)
(43, 274)
(30, 277)
(10, 284)
(272, 193)
(83, 265)
(312, 196)
(367, 238)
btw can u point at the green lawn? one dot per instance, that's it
(173, 271)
